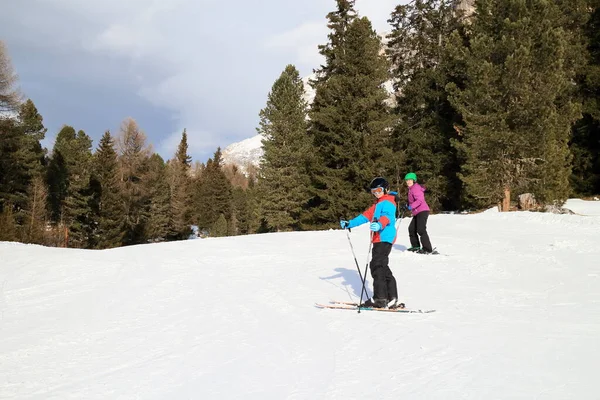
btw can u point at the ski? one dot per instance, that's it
(353, 306)
(351, 303)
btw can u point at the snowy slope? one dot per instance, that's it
(583, 207)
(517, 298)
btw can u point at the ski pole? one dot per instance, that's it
(355, 260)
(398, 223)
(364, 277)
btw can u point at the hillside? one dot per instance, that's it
(517, 299)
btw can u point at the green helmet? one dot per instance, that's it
(411, 175)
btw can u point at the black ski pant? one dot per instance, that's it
(418, 225)
(384, 283)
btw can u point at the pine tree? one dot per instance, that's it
(180, 190)
(213, 194)
(159, 220)
(77, 207)
(250, 219)
(68, 176)
(283, 179)
(133, 170)
(32, 124)
(425, 117)
(585, 143)
(239, 211)
(108, 209)
(219, 228)
(58, 174)
(21, 156)
(182, 156)
(516, 101)
(31, 157)
(14, 177)
(349, 120)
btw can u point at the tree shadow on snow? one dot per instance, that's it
(350, 281)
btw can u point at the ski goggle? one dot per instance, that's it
(377, 190)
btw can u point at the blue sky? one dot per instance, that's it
(204, 65)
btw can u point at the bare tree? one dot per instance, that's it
(134, 155)
(38, 196)
(10, 96)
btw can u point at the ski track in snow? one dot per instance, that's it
(517, 316)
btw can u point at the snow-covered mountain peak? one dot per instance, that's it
(243, 154)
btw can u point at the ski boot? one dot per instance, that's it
(374, 303)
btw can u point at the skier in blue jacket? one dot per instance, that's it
(382, 217)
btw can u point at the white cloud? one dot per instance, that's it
(211, 63)
(199, 141)
(378, 11)
(302, 42)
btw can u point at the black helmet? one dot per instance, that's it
(379, 182)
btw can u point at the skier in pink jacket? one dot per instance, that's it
(420, 212)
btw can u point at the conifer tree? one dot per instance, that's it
(109, 212)
(15, 172)
(159, 219)
(21, 157)
(516, 102)
(219, 228)
(182, 156)
(69, 173)
(213, 194)
(32, 124)
(283, 179)
(425, 118)
(349, 120)
(585, 143)
(77, 210)
(58, 175)
(180, 190)
(239, 211)
(31, 157)
(251, 216)
(133, 170)
(14, 177)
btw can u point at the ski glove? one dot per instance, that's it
(408, 207)
(344, 224)
(375, 226)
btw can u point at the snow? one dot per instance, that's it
(583, 207)
(245, 153)
(517, 299)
